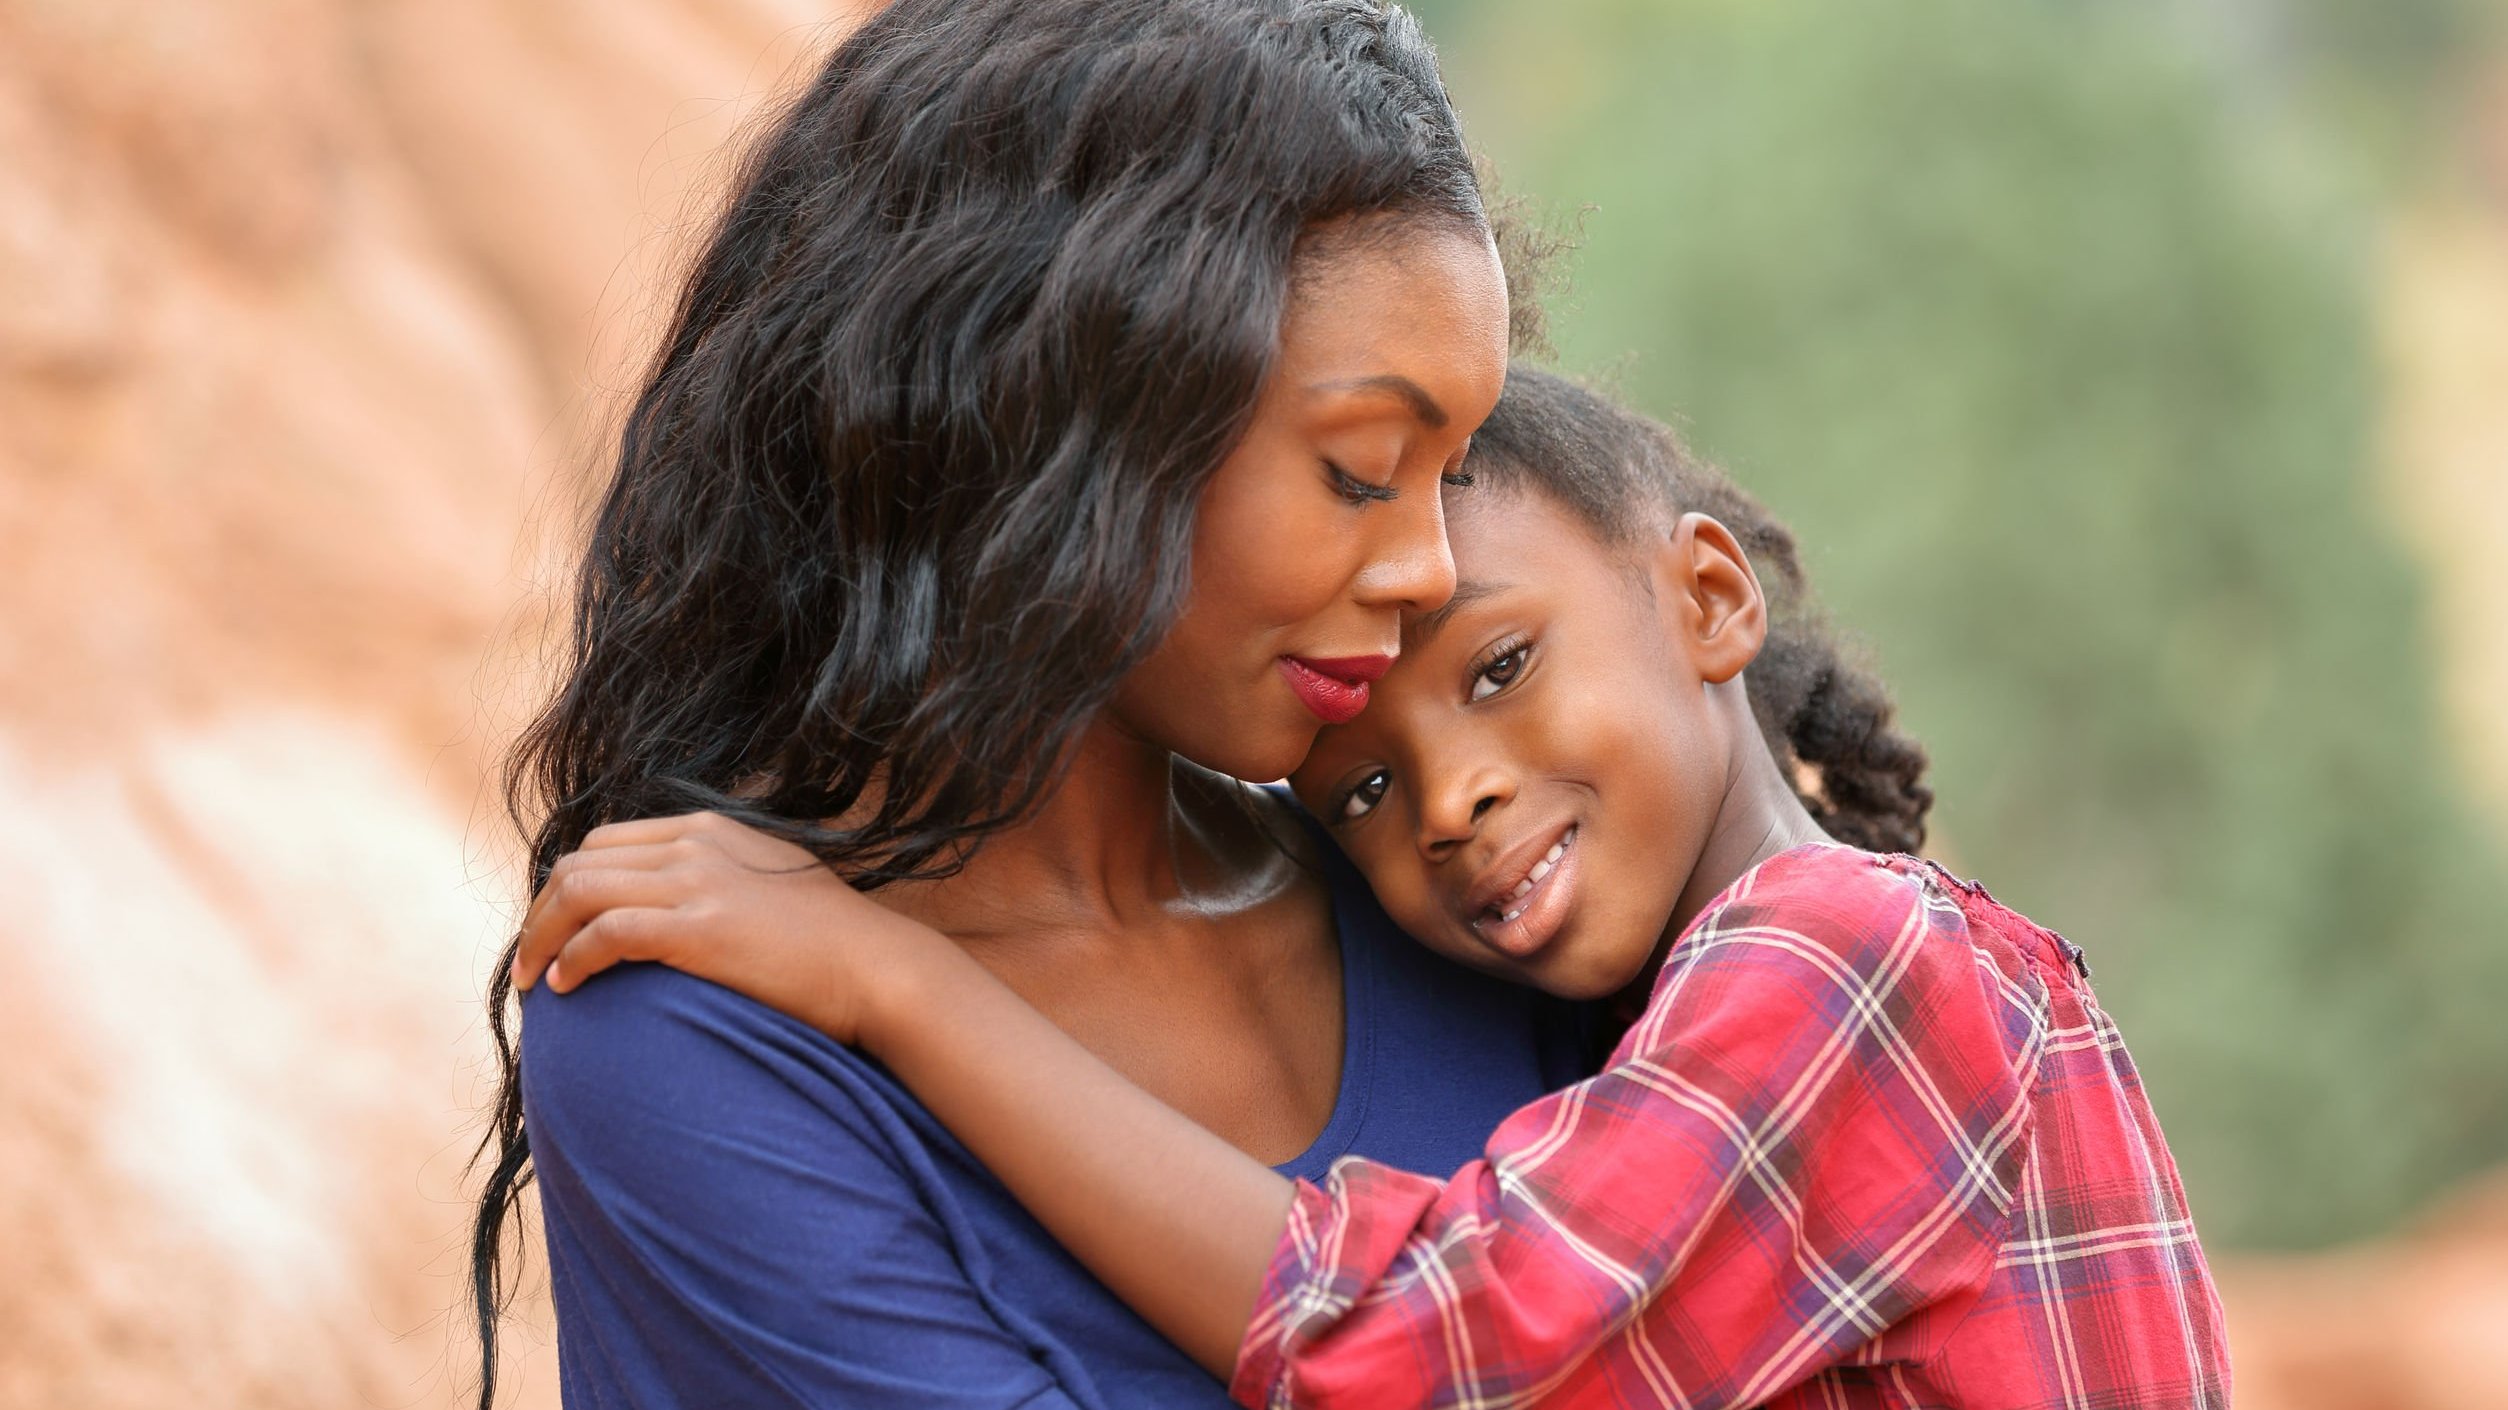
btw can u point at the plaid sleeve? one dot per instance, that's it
(1811, 1136)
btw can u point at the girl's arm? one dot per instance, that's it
(1174, 1220)
(1806, 1153)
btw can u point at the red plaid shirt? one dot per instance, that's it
(1873, 1143)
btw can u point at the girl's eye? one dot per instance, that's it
(1362, 800)
(1500, 673)
(1356, 490)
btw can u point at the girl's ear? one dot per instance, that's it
(1710, 597)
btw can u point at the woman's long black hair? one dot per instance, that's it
(911, 481)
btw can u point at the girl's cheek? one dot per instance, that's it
(1419, 914)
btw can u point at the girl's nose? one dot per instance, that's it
(1413, 567)
(1451, 813)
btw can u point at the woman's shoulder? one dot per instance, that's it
(652, 1017)
(740, 1211)
(646, 1054)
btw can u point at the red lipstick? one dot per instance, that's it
(1333, 688)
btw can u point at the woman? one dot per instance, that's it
(1051, 434)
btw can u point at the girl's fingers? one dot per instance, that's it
(640, 832)
(734, 839)
(613, 936)
(651, 856)
(576, 897)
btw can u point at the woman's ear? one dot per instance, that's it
(1710, 598)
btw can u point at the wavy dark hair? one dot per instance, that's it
(911, 481)
(1829, 722)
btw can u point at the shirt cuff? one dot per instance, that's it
(1264, 1356)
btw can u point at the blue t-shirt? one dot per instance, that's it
(741, 1212)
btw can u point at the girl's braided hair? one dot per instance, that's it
(1826, 718)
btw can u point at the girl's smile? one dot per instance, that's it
(1517, 918)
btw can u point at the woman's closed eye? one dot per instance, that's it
(1362, 796)
(1356, 490)
(1501, 667)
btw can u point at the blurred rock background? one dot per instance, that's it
(2137, 375)
(311, 314)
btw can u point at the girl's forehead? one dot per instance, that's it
(1504, 533)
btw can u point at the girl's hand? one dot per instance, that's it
(725, 902)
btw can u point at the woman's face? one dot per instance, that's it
(1324, 525)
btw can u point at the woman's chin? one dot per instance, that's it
(1265, 752)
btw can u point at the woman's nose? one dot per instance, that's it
(1413, 567)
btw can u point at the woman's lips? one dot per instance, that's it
(1333, 688)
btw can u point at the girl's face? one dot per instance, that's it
(1533, 785)
(1325, 524)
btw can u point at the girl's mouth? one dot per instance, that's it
(1525, 916)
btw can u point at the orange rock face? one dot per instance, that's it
(2418, 1321)
(311, 314)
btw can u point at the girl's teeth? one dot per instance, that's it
(1541, 869)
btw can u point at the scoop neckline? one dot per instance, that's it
(1358, 1045)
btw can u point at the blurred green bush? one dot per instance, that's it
(2048, 327)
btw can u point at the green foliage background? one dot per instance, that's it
(2047, 325)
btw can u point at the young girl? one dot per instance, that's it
(1871, 1141)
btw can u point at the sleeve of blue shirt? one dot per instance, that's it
(736, 1219)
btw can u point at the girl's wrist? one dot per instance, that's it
(915, 975)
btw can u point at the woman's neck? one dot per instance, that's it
(1129, 839)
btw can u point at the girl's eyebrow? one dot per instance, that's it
(1418, 630)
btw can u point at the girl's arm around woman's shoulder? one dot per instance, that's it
(1173, 1219)
(737, 1215)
